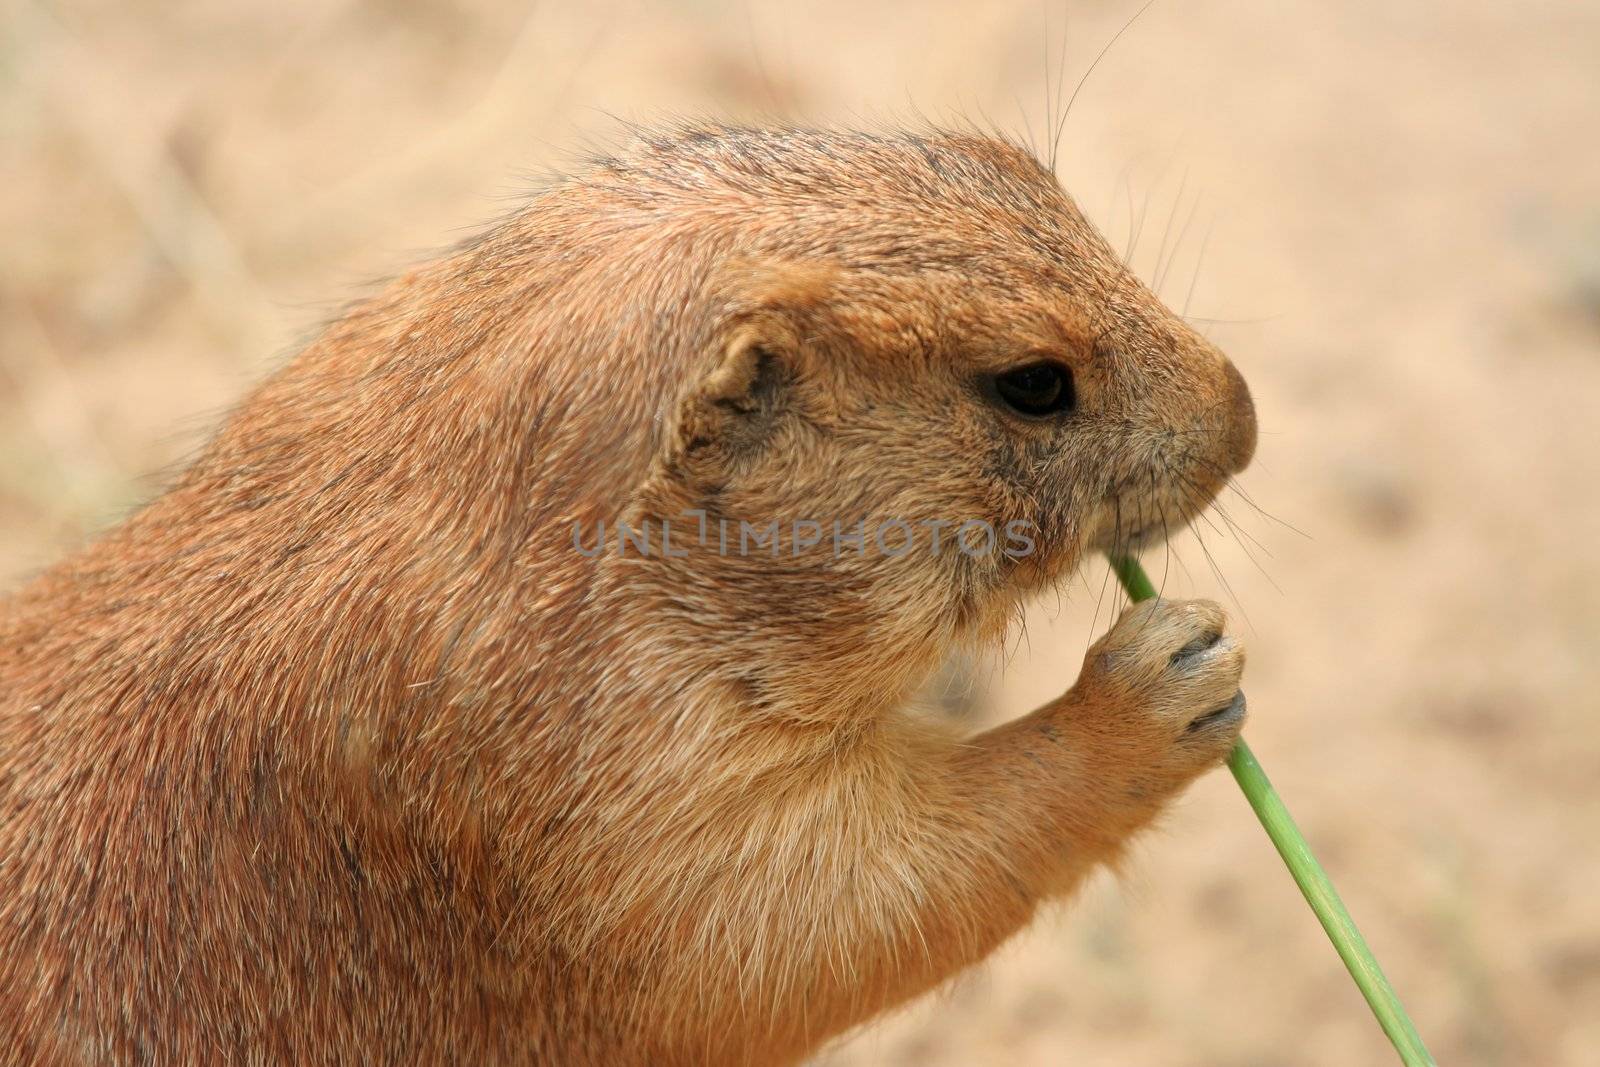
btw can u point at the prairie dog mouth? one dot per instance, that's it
(1143, 537)
(1146, 535)
(1128, 527)
(1143, 512)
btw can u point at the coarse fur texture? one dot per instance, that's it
(342, 750)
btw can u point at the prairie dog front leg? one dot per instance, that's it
(962, 841)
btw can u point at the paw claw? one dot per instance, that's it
(1228, 716)
(1200, 644)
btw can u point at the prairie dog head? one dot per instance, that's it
(923, 334)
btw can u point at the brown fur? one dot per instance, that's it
(339, 752)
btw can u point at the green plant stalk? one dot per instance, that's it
(1307, 872)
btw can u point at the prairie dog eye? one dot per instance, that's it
(1036, 389)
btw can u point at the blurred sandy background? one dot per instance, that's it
(1393, 211)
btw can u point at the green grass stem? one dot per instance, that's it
(1308, 873)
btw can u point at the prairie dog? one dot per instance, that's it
(430, 717)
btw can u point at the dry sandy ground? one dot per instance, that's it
(1403, 257)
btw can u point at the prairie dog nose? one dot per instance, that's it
(1239, 444)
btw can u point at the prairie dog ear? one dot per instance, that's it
(733, 411)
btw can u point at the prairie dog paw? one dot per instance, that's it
(1167, 678)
